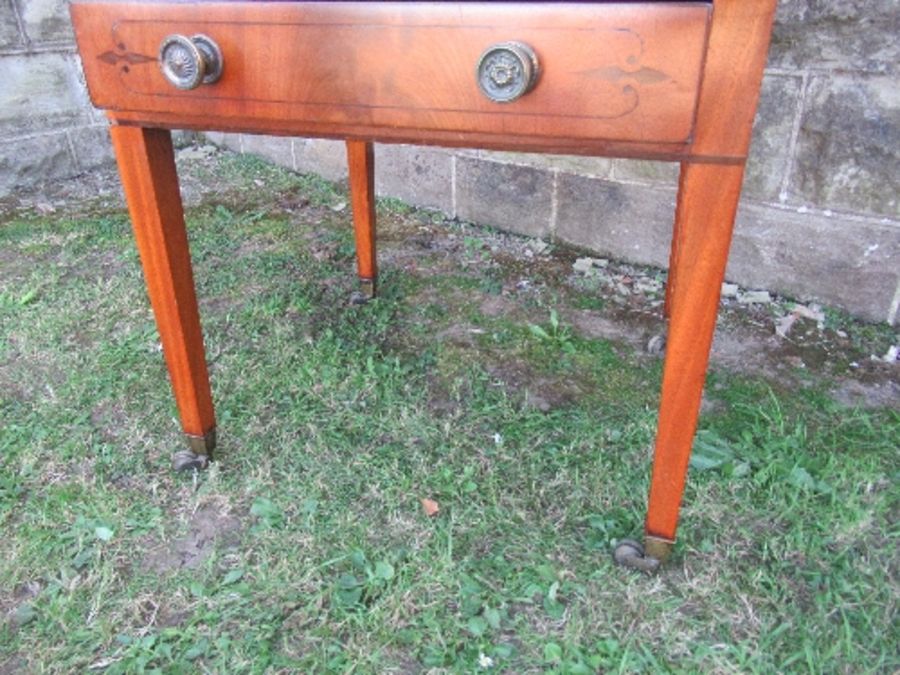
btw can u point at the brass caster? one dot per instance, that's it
(629, 553)
(359, 298)
(186, 460)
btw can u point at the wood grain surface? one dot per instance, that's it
(147, 167)
(615, 71)
(708, 198)
(361, 172)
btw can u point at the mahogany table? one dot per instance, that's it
(676, 81)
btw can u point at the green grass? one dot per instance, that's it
(305, 547)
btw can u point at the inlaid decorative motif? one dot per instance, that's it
(627, 77)
(128, 58)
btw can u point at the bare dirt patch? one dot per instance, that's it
(538, 391)
(14, 664)
(209, 526)
(634, 330)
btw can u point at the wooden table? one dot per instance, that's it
(676, 81)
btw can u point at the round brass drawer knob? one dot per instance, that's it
(188, 62)
(507, 71)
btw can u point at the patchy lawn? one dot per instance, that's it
(489, 377)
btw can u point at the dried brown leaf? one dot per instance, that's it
(430, 507)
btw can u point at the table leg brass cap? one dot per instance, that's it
(657, 547)
(202, 445)
(367, 288)
(365, 292)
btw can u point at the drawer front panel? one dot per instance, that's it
(617, 71)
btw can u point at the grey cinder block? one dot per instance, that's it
(848, 153)
(517, 198)
(623, 221)
(415, 174)
(35, 160)
(812, 256)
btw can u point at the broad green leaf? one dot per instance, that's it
(232, 577)
(552, 652)
(556, 610)
(268, 512)
(801, 478)
(103, 533)
(358, 560)
(384, 570)
(198, 649)
(349, 591)
(538, 332)
(23, 614)
(492, 616)
(710, 452)
(477, 626)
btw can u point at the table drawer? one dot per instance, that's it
(618, 71)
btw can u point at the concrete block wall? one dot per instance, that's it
(820, 216)
(48, 129)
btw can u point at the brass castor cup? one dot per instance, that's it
(198, 453)
(630, 553)
(185, 460)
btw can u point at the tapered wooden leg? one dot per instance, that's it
(707, 203)
(147, 167)
(674, 251)
(361, 164)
